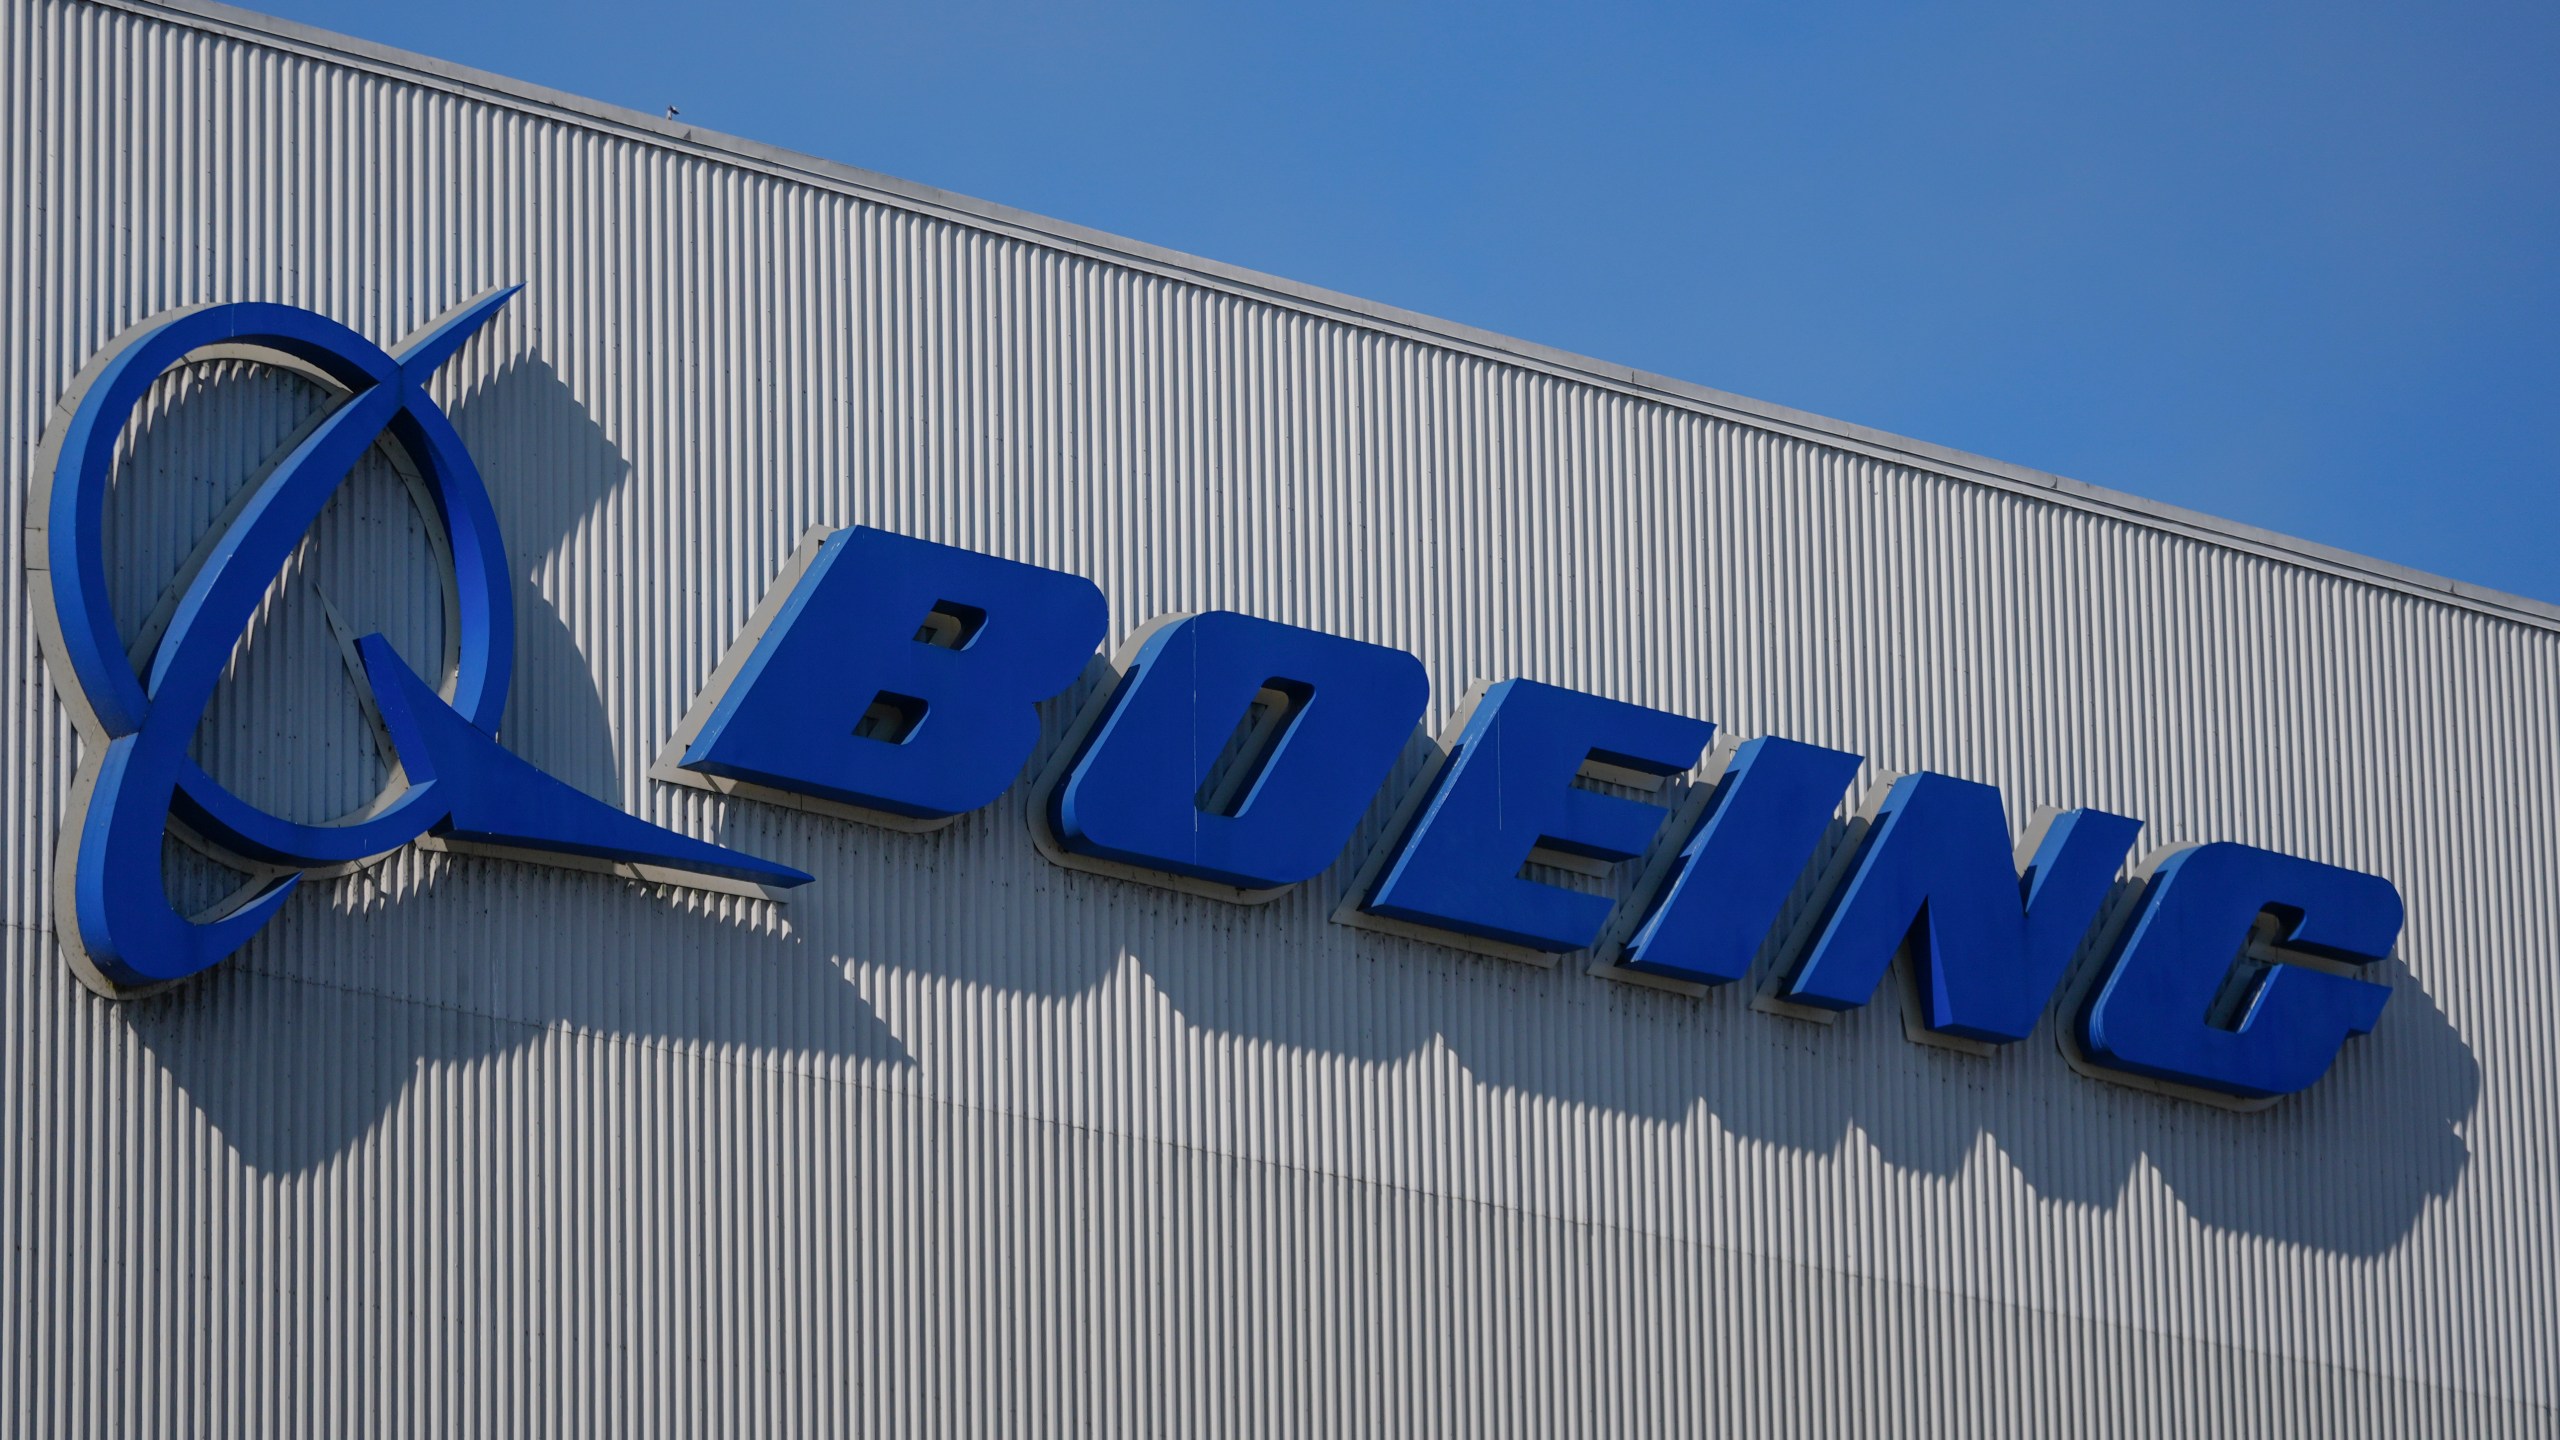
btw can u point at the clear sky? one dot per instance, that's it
(2290, 264)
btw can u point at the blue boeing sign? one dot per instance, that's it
(899, 681)
(1236, 756)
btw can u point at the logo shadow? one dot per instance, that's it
(298, 1047)
(2346, 1167)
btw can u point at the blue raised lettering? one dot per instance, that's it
(1508, 789)
(902, 676)
(2182, 1003)
(1335, 714)
(1989, 943)
(1732, 877)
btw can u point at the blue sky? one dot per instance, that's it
(2290, 264)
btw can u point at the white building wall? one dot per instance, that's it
(959, 1141)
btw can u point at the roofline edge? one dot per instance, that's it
(213, 16)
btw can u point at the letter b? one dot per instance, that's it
(901, 676)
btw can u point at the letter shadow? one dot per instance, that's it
(2347, 1166)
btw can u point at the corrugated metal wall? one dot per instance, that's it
(963, 1142)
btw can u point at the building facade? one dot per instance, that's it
(977, 1131)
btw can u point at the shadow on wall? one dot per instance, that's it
(296, 1065)
(549, 469)
(298, 1048)
(2347, 1166)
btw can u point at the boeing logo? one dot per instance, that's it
(897, 682)
(136, 778)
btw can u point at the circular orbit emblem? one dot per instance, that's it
(113, 914)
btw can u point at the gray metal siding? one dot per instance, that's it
(961, 1141)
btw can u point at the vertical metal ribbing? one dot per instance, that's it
(962, 1142)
